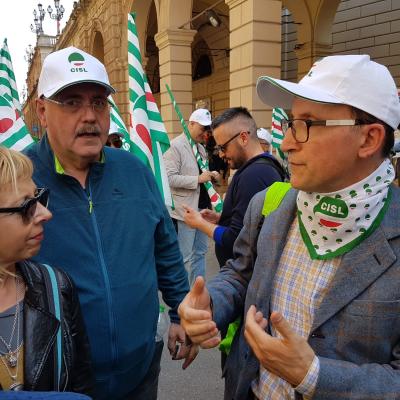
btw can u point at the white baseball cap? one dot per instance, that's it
(264, 134)
(201, 116)
(68, 67)
(114, 129)
(353, 80)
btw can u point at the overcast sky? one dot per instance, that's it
(17, 16)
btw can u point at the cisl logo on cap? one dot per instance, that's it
(77, 60)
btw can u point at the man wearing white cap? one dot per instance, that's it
(265, 138)
(186, 182)
(114, 136)
(318, 288)
(110, 231)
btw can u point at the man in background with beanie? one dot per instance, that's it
(110, 230)
(318, 288)
(186, 183)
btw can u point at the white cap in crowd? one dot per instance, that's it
(114, 129)
(353, 80)
(264, 134)
(201, 116)
(70, 66)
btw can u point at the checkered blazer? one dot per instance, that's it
(356, 330)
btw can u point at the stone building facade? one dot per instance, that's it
(217, 66)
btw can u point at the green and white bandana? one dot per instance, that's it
(331, 224)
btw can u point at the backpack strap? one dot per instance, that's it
(273, 162)
(273, 197)
(53, 296)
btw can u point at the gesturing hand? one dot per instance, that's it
(177, 347)
(196, 316)
(289, 357)
(192, 217)
(210, 215)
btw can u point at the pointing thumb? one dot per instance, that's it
(198, 286)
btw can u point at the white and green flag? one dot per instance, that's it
(115, 117)
(13, 131)
(148, 138)
(278, 114)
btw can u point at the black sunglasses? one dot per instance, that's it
(116, 142)
(222, 148)
(28, 208)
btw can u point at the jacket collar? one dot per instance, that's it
(51, 161)
(363, 265)
(38, 342)
(358, 269)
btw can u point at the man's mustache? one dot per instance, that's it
(89, 129)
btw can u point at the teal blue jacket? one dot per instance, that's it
(117, 242)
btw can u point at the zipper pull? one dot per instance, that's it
(90, 205)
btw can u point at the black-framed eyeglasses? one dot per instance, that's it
(74, 105)
(28, 208)
(301, 127)
(222, 148)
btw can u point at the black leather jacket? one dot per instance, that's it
(40, 330)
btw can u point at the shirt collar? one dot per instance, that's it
(60, 169)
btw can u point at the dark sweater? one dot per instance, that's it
(251, 178)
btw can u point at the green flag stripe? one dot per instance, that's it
(160, 137)
(134, 51)
(155, 116)
(15, 137)
(5, 54)
(10, 73)
(5, 83)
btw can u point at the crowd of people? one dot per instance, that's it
(308, 289)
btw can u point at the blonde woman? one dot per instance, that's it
(37, 352)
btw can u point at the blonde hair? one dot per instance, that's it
(14, 166)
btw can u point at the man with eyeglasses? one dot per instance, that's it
(187, 187)
(318, 287)
(110, 230)
(235, 133)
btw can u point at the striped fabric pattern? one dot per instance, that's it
(13, 131)
(215, 198)
(148, 138)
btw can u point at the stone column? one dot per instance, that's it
(255, 43)
(175, 57)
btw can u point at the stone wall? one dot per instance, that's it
(369, 27)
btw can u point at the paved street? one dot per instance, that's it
(202, 380)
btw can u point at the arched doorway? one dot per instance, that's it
(98, 46)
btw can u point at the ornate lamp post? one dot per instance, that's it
(59, 12)
(29, 51)
(38, 18)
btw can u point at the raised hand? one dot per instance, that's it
(289, 357)
(196, 316)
